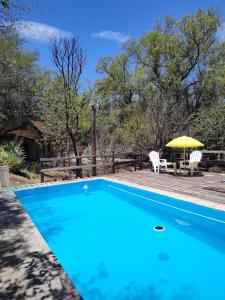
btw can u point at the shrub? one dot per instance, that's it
(12, 155)
(3, 157)
(34, 166)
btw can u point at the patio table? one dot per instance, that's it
(164, 163)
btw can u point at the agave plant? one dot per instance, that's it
(12, 155)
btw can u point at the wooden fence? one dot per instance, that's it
(213, 160)
(213, 155)
(111, 162)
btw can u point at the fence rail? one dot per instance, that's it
(112, 162)
(77, 163)
(213, 155)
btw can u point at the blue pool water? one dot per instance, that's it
(104, 238)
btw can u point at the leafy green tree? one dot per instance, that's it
(19, 79)
(209, 126)
(116, 91)
(175, 60)
(164, 79)
(117, 85)
(137, 131)
(5, 3)
(12, 11)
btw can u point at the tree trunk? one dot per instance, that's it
(78, 160)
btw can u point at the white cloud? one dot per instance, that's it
(40, 31)
(112, 35)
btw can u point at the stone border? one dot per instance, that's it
(52, 183)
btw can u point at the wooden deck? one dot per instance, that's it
(196, 189)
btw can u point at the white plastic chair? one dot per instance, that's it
(154, 158)
(157, 163)
(192, 164)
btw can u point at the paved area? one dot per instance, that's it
(28, 269)
(196, 189)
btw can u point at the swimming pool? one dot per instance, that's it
(103, 234)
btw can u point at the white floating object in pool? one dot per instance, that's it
(85, 187)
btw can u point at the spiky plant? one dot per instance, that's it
(12, 155)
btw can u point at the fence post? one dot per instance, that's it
(79, 171)
(41, 173)
(93, 140)
(42, 177)
(140, 161)
(113, 163)
(135, 162)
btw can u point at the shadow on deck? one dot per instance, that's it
(28, 270)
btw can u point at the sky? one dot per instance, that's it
(101, 25)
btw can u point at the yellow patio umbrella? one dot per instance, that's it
(184, 142)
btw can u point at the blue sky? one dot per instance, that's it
(101, 26)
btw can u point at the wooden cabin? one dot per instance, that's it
(30, 134)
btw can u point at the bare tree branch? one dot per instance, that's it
(69, 58)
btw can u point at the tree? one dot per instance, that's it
(5, 3)
(209, 126)
(68, 107)
(59, 115)
(19, 79)
(165, 79)
(117, 83)
(12, 11)
(116, 91)
(176, 61)
(137, 131)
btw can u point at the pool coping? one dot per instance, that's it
(178, 196)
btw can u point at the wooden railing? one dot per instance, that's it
(76, 163)
(112, 162)
(217, 154)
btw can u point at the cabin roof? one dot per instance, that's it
(29, 133)
(39, 125)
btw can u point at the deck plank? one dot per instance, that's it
(205, 187)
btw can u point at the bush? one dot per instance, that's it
(3, 157)
(34, 166)
(12, 155)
